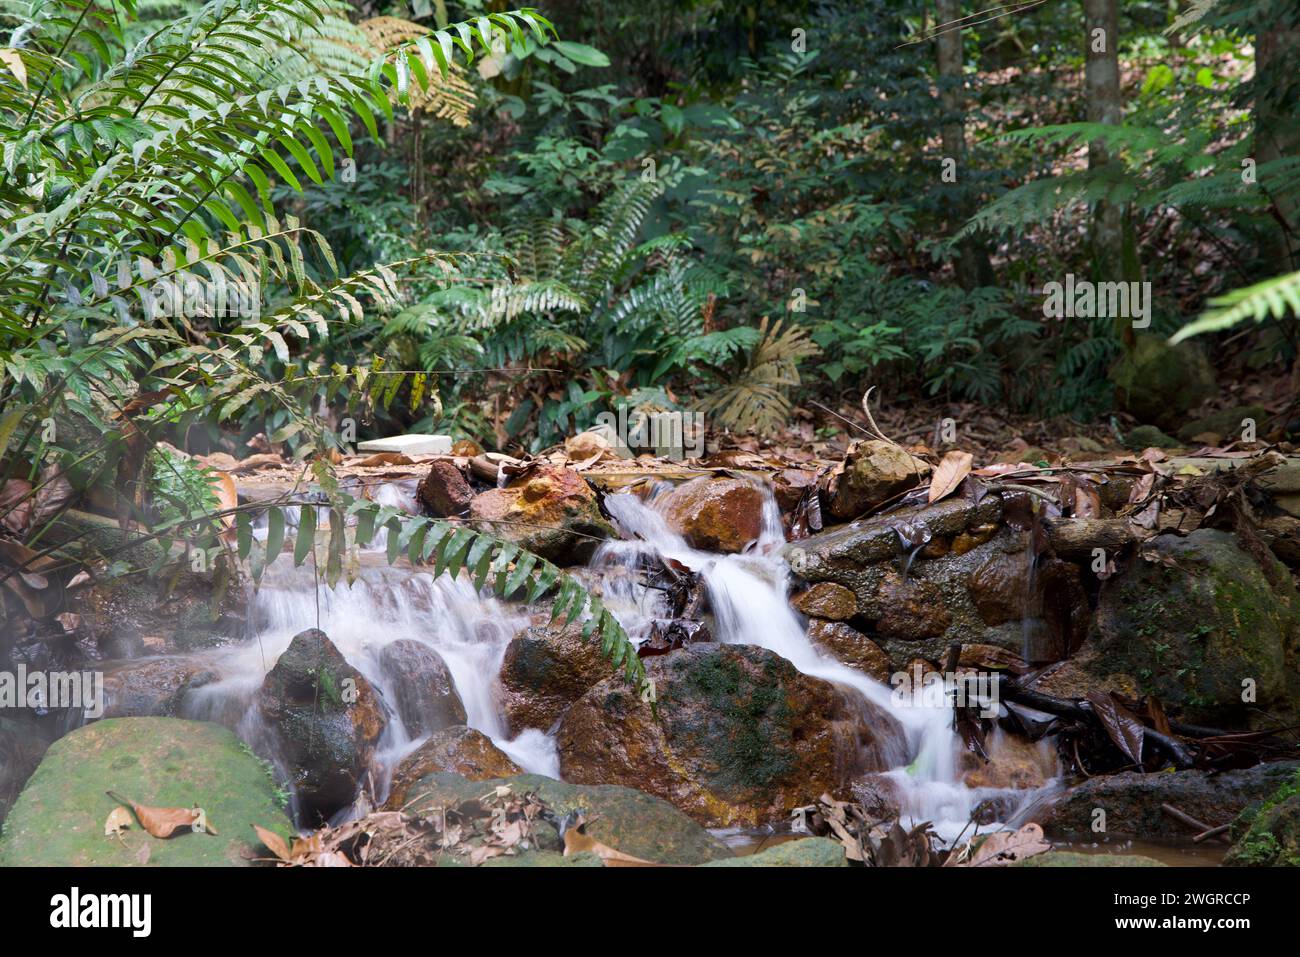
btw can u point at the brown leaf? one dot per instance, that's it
(119, 819)
(274, 842)
(1120, 723)
(1006, 847)
(948, 474)
(163, 822)
(384, 458)
(575, 842)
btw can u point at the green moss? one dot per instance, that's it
(1267, 834)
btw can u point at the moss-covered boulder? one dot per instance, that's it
(1158, 383)
(1267, 834)
(740, 736)
(1077, 859)
(59, 818)
(1198, 621)
(803, 852)
(623, 818)
(1227, 424)
(326, 720)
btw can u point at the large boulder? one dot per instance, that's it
(544, 670)
(1268, 834)
(548, 510)
(740, 736)
(1159, 383)
(1198, 621)
(420, 687)
(459, 750)
(326, 720)
(623, 818)
(716, 514)
(159, 762)
(872, 473)
(1131, 801)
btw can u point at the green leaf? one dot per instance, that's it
(274, 533)
(306, 535)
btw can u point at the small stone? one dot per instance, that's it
(444, 491)
(850, 646)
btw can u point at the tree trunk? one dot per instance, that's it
(1277, 130)
(973, 266)
(1101, 85)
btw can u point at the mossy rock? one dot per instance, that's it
(1149, 437)
(804, 852)
(1268, 834)
(623, 818)
(1225, 423)
(1193, 618)
(1158, 383)
(59, 818)
(1077, 859)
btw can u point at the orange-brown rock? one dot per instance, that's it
(457, 749)
(872, 473)
(716, 514)
(444, 491)
(913, 610)
(850, 646)
(740, 736)
(827, 600)
(549, 510)
(546, 669)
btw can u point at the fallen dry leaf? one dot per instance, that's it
(1006, 847)
(575, 842)
(948, 474)
(119, 819)
(274, 843)
(384, 458)
(163, 822)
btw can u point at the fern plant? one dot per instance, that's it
(136, 191)
(1275, 298)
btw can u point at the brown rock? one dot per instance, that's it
(444, 491)
(457, 749)
(850, 646)
(789, 486)
(827, 600)
(740, 738)
(545, 670)
(716, 514)
(913, 610)
(150, 687)
(872, 472)
(1052, 602)
(548, 510)
(1014, 762)
(420, 684)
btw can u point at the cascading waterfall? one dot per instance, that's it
(748, 597)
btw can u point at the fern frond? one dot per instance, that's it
(1273, 297)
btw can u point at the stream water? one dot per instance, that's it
(747, 595)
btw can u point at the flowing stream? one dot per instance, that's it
(747, 595)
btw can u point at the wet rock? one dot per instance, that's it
(548, 510)
(801, 852)
(790, 485)
(458, 750)
(911, 610)
(544, 670)
(326, 719)
(23, 741)
(1226, 423)
(1158, 383)
(872, 472)
(444, 491)
(1078, 859)
(1268, 834)
(1193, 619)
(420, 685)
(155, 687)
(1014, 762)
(623, 818)
(1081, 675)
(741, 736)
(716, 514)
(847, 644)
(1050, 600)
(162, 762)
(1131, 801)
(827, 600)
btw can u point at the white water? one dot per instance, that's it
(748, 596)
(384, 605)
